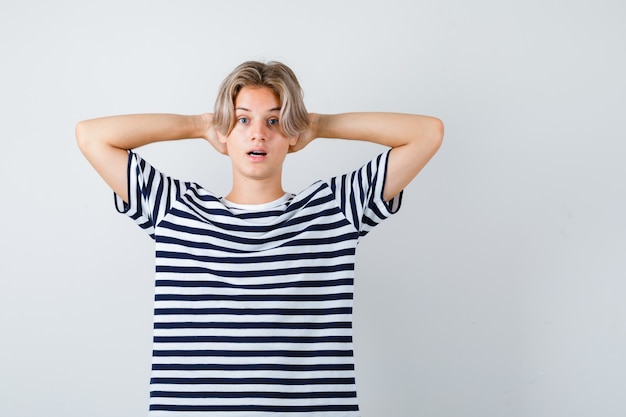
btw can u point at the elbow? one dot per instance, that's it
(435, 133)
(82, 135)
(79, 132)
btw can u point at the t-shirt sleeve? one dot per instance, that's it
(150, 194)
(360, 195)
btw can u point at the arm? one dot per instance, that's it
(105, 141)
(414, 139)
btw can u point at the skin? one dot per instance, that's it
(414, 140)
(257, 147)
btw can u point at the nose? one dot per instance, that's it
(259, 130)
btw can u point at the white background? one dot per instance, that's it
(496, 291)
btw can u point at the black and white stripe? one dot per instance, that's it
(253, 305)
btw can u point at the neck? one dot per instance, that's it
(249, 191)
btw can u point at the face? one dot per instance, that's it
(256, 145)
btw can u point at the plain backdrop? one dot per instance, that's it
(496, 291)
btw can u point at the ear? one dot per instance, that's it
(293, 140)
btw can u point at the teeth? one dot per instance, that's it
(256, 153)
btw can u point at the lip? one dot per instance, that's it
(261, 154)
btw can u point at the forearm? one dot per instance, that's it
(133, 131)
(388, 129)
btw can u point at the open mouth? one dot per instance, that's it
(257, 153)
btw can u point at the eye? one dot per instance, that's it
(272, 122)
(243, 120)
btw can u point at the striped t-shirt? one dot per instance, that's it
(253, 303)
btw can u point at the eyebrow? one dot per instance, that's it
(245, 109)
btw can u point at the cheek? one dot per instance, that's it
(236, 136)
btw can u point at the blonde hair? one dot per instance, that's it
(294, 118)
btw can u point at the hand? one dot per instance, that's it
(309, 134)
(216, 139)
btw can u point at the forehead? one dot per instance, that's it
(257, 98)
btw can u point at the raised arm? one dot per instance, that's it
(105, 141)
(414, 139)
